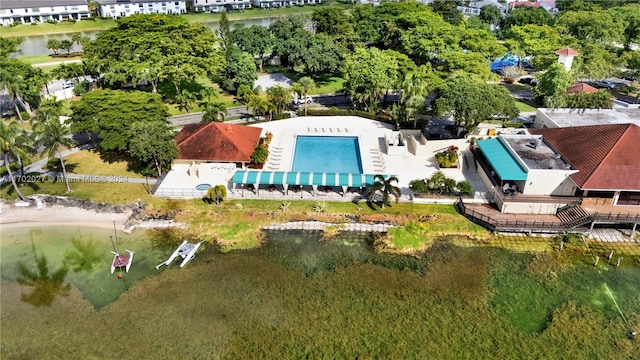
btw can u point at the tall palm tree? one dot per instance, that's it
(385, 186)
(43, 78)
(213, 111)
(279, 96)
(258, 105)
(414, 84)
(303, 87)
(13, 139)
(53, 135)
(15, 86)
(414, 106)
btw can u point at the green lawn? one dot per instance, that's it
(89, 162)
(100, 24)
(325, 84)
(525, 107)
(46, 58)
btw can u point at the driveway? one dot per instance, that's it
(270, 80)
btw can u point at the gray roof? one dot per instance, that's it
(578, 117)
(536, 153)
(113, 2)
(22, 4)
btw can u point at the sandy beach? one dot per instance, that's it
(16, 217)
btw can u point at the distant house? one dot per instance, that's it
(217, 142)
(271, 4)
(581, 87)
(123, 8)
(39, 11)
(547, 169)
(214, 6)
(560, 118)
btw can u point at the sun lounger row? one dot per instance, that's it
(329, 130)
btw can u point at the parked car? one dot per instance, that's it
(67, 85)
(629, 77)
(603, 84)
(528, 81)
(303, 99)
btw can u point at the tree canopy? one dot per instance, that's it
(154, 47)
(470, 101)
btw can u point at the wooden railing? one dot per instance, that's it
(508, 225)
(535, 226)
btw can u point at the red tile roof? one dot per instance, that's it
(217, 142)
(523, 3)
(567, 52)
(607, 156)
(578, 87)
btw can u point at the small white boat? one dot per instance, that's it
(186, 250)
(122, 261)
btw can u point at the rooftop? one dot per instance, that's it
(607, 156)
(535, 152)
(217, 142)
(567, 52)
(581, 87)
(22, 4)
(579, 117)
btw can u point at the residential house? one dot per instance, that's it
(268, 4)
(123, 8)
(581, 87)
(560, 118)
(214, 6)
(548, 169)
(209, 155)
(39, 11)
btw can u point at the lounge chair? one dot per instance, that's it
(186, 250)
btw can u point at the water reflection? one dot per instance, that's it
(45, 285)
(84, 257)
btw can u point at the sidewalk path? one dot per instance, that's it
(51, 63)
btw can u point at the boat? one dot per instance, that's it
(122, 261)
(186, 250)
(119, 260)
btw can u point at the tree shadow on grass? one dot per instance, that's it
(45, 284)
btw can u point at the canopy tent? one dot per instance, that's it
(314, 179)
(501, 159)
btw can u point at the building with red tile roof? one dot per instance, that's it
(217, 142)
(567, 52)
(581, 87)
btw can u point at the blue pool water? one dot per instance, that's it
(327, 154)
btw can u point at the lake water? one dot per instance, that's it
(301, 296)
(37, 44)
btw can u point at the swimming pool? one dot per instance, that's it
(340, 154)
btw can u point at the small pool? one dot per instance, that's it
(340, 154)
(203, 187)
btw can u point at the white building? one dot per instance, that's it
(123, 8)
(39, 11)
(214, 6)
(267, 4)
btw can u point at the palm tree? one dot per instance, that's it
(414, 84)
(43, 78)
(279, 96)
(15, 86)
(414, 106)
(218, 192)
(53, 135)
(385, 186)
(94, 7)
(213, 111)
(13, 140)
(258, 105)
(303, 87)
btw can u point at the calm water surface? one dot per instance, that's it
(37, 44)
(299, 296)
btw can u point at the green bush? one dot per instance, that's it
(418, 186)
(512, 124)
(81, 88)
(25, 115)
(14, 166)
(260, 154)
(52, 163)
(448, 158)
(465, 188)
(281, 116)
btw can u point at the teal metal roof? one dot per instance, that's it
(302, 178)
(502, 161)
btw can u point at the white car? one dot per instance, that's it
(67, 85)
(303, 100)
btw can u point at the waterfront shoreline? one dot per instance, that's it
(13, 217)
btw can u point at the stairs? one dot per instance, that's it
(573, 215)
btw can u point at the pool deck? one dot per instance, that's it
(371, 138)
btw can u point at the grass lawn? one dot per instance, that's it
(45, 58)
(89, 162)
(113, 193)
(523, 107)
(325, 84)
(100, 24)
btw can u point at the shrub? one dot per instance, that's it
(52, 163)
(448, 158)
(281, 116)
(512, 124)
(260, 154)
(464, 187)
(418, 186)
(25, 115)
(81, 88)
(321, 207)
(51, 21)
